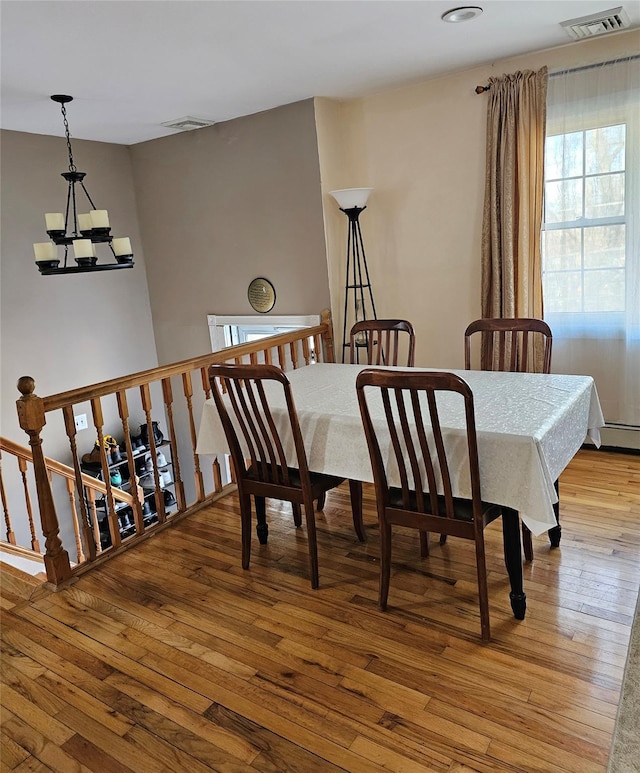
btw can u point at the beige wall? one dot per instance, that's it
(223, 205)
(422, 149)
(66, 331)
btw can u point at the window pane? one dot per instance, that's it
(604, 195)
(563, 201)
(604, 246)
(563, 156)
(562, 249)
(563, 291)
(604, 149)
(604, 290)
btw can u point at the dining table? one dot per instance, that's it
(529, 427)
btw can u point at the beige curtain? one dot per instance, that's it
(511, 261)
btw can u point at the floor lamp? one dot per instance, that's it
(359, 305)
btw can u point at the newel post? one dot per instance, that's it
(327, 335)
(32, 419)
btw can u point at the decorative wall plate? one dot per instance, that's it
(261, 294)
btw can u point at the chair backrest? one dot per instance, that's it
(241, 394)
(381, 340)
(520, 344)
(401, 409)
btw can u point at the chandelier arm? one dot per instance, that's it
(86, 192)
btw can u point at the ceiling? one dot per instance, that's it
(133, 64)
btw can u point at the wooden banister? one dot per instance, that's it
(236, 353)
(84, 492)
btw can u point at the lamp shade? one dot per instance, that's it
(348, 198)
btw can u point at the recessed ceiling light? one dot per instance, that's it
(465, 13)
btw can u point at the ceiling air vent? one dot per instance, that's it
(188, 124)
(597, 24)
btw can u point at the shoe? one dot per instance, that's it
(147, 482)
(116, 478)
(114, 451)
(169, 499)
(94, 458)
(165, 477)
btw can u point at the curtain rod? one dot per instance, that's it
(482, 89)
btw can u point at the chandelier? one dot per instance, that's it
(80, 232)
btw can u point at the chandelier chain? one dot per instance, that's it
(72, 166)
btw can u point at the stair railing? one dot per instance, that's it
(171, 396)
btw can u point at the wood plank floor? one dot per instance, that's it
(172, 658)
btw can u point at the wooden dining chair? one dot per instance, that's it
(511, 344)
(515, 344)
(414, 450)
(257, 439)
(382, 340)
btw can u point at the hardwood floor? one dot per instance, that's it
(172, 658)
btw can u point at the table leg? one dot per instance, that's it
(513, 561)
(556, 532)
(262, 528)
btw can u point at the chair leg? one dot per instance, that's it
(355, 490)
(245, 523)
(297, 515)
(527, 543)
(424, 544)
(262, 528)
(312, 541)
(385, 563)
(483, 592)
(321, 501)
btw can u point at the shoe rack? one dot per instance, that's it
(119, 474)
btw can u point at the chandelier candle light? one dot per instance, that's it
(352, 201)
(82, 231)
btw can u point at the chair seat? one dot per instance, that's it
(462, 508)
(319, 481)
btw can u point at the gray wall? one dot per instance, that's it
(66, 331)
(223, 205)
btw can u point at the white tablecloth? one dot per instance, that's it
(529, 428)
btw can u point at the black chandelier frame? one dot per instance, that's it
(99, 235)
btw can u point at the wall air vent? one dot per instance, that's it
(613, 20)
(188, 123)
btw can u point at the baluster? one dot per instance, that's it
(11, 537)
(293, 351)
(32, 419)
(317, 348)
(167, 393)
(267, 356)
(306, 351)
(22, 464)
(71, 491)
(87, 532)
(188, 393)
(282, 359)
(253, 358)
(123, 411)
(145, 394)
(112, 515)
(93, 510)
(215, 465)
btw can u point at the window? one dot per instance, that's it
(584, 236)
(591, 232)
